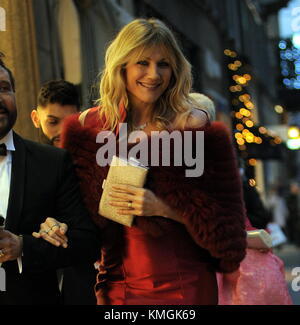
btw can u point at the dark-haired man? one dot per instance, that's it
(57, 99)
(36, 181)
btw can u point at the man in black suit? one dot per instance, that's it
(58, 99)
(36, 181)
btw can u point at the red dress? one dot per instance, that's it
(159, 261)
(165, 270)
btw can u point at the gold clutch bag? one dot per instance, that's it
(259, 239)
(121, 171)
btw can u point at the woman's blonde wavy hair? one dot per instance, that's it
(128, 46)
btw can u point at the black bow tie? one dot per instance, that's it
(3, 151)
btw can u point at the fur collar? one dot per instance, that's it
(211, 205)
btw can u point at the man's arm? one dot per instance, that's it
(83, 235)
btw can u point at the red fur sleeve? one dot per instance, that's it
(212, 205)
(81, 143)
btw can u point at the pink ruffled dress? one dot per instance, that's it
(260, 280)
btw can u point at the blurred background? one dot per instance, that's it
(245, 56)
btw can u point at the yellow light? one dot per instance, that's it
(249, 124)
(233, 54)
(249, 138)
(293, 132)
(247, 76)
(278, 109)
(238, 63)
(241, 80)
(238, 115)
(240, 127)
(249, 105)
(238, 135)
(258, 140)
(277, 140)
(252, 182)
(245, 112)
(240, 141)
(238, 88)
(232, 89)
(245, 132)
(235, 77)
(252, 162)
(232, 67)
(262, 130)
(244, 98)
(227, 52)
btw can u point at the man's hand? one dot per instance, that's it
(10, 246)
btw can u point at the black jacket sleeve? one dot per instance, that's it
(83, 235)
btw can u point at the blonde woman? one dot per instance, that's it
(185, 228)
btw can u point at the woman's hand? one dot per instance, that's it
(53, 232)
(139, 202)
(135, 200)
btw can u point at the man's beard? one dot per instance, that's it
(45, 140)
(6, 122)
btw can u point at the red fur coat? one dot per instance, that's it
(211, 205)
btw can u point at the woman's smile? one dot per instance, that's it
(148, 78)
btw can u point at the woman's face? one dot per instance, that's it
(148, 78)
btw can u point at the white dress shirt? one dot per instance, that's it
(5, 172)
(5, 177)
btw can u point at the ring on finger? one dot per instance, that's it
(44, 231)
(2, 253)
(129, 204)
(55, 225)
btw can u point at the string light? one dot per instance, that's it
(278, 109)
(244, 115)
(258, 140)
(239, 126)
(277, 140)
(241, 80)
(262, 130)
(238, 135)
(250, 138)
(252, 162)
(249, 105)
(245, 132)
(249, 124)
(240, 141)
